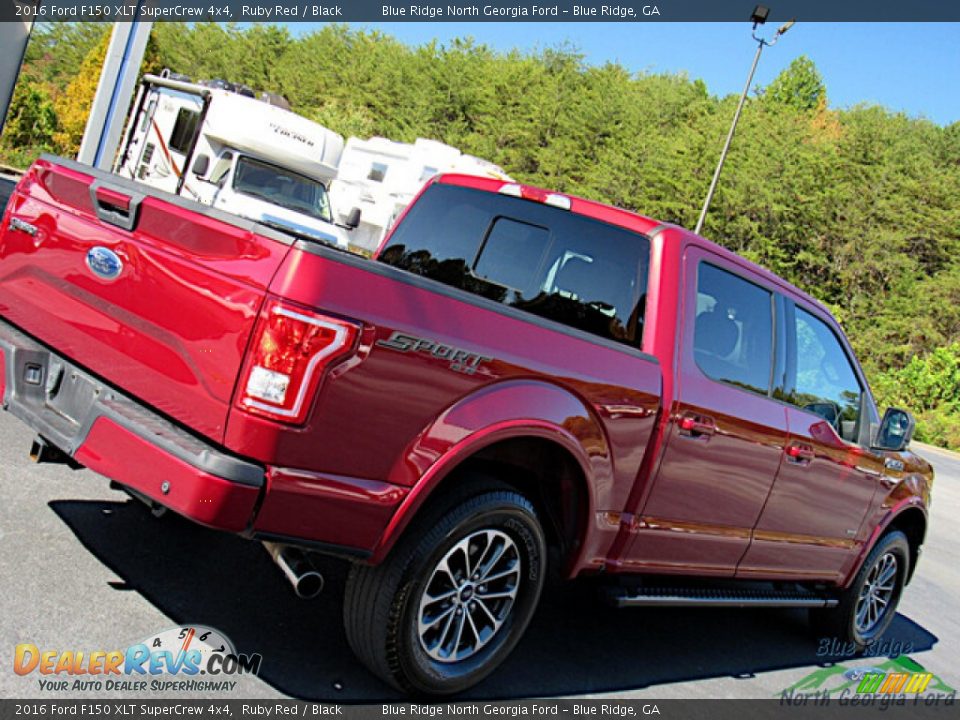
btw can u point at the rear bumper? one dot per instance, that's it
(115, 436)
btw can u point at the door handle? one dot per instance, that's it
(694, 426)
(800, 453)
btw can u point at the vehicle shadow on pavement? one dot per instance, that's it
(575, 645)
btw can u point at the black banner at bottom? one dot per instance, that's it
(791, 706)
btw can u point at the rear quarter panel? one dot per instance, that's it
(408, 418)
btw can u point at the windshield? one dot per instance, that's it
(282, 187)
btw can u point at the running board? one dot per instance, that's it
(703, 597)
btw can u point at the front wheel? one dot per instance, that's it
(453, 598)
(868, 606)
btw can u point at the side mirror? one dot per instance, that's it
(896, 430)
(201, 165)
(353, 219)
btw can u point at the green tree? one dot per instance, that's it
(800, 86)
(930, 386)
(73, 105)
(30, 125)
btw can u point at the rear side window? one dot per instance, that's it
(733, 333)
(549, 262)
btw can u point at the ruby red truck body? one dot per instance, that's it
(656, 467)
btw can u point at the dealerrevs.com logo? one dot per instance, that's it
(183, 659)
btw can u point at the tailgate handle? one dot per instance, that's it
(115, 206)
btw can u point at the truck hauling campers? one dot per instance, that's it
(218, 144)
(519, 383)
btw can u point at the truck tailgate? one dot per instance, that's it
(162, 310)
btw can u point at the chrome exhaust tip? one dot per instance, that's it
(297, 567)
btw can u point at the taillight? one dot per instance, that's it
(292, 348)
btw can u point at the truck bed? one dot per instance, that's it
(172, 332)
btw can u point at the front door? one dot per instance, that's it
(811, 527)
(726, 434)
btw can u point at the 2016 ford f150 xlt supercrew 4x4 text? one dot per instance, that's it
(519, 381)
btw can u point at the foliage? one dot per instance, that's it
(31, 122)
(930, 386)
(73, 105)
(800, 86)
(856, 206)
(57, 49)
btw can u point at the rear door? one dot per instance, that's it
(726, 434)
(811, 526)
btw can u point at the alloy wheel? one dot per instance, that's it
(876, 593)
(469, 596)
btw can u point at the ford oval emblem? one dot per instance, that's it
(104, 263)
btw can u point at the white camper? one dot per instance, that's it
(381, 177)
(219, 144)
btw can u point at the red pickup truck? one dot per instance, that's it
(520, 382)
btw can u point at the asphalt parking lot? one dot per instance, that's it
(85, 568)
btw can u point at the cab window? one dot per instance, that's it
(544, 260)
(733, 333)
(825, 382)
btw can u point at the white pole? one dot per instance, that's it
(726, 145)
(118, 79)
(13, 40)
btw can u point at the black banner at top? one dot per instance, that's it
(290, 11)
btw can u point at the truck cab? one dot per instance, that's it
(221, 145)
(253, 187)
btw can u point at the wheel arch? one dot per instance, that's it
(909, 517)
(912, 522)
(541, 462)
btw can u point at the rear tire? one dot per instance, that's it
(869, 605)
(454, 596)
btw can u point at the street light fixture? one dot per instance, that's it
(759, 17)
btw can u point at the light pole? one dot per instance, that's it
(759, 17)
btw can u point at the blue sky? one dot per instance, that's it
(909, 67)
